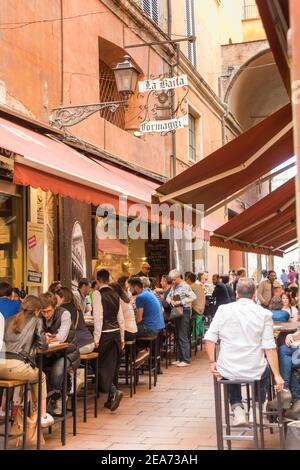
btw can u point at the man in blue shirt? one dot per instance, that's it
(149, 318)
(8, 307)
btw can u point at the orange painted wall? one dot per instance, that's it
(31, 65)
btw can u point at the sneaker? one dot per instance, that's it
(286, 398)
(239, 417)
(141, 357)
(175, 363)
(47, 420)
(107, 404)
(116, 400)
(183, 364)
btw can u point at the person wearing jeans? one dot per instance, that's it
(181, 295)
(289, 359)
(245, 332)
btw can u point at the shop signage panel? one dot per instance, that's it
(163, 83)
(164, 126)
(35, 254)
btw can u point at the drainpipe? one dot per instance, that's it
(61, 52)
(172, 71)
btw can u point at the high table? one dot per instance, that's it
(40, 354)
(286, 327)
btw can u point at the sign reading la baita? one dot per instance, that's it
(163, 84)
(159, 87)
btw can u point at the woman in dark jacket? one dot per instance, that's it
(58, 327)
(85, 340)
(23, 334)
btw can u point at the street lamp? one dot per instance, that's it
(126, 76)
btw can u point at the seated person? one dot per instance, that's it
(8, 306)
(247, 346)
(289, 306)
(23, 334)
(58, 327)
(288, 360)
(276, 306)
(149, 318)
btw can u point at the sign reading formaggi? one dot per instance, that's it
(163, 84)
(164, 126)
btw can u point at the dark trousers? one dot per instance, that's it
(129, 336)
(109, 361)
(235, 391)
(144, 331)
(183, 332)
(55, 374)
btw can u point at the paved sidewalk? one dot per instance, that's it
(177, 414)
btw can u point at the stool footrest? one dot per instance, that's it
(89, 356)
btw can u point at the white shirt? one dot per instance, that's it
(245, 330)
(98, 317)
(129, 316)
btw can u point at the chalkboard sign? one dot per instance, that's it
(158, 257)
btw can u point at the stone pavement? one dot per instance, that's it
(178, 414)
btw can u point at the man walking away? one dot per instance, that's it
(109, 331)
(247, 345)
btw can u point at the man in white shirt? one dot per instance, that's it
(245, 332)
(109, 331)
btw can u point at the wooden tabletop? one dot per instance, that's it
(286, 326)
(56, 347)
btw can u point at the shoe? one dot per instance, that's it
(175, 363)
(116, 400)
(79, 380)
(58, 407)
(183, 364)
(239, 417)
(286, 398)
(47, 420)
(294, 412)
(141, 357)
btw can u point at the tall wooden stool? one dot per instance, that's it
(86, 359)
(8, 386)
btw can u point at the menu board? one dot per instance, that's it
(158, 257)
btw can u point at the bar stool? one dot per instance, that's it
(130, 356)
(167, 348)
(153, 345)
(86, 359)
(257, 437)
(9, 386)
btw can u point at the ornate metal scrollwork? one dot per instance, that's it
(70, 115)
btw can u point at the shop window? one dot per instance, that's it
(109, 92)
(11, 260)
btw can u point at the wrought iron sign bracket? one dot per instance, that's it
(70, 115)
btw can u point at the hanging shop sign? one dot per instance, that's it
(164, 126)
(167, 83)
(35, 254)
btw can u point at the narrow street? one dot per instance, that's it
(177, 414)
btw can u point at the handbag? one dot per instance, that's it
(176, 312)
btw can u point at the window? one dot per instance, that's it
(190, 29)
(250, 10)
(150, 7)
(195, 137)
(192, 138)
(109, 92)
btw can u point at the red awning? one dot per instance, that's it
(43, 162)
(112, 247)
(268, 227)
(235, 165)
(275, 18)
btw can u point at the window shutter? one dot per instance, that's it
(150, 8)
(190, 29)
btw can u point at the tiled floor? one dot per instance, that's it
(177, 414)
